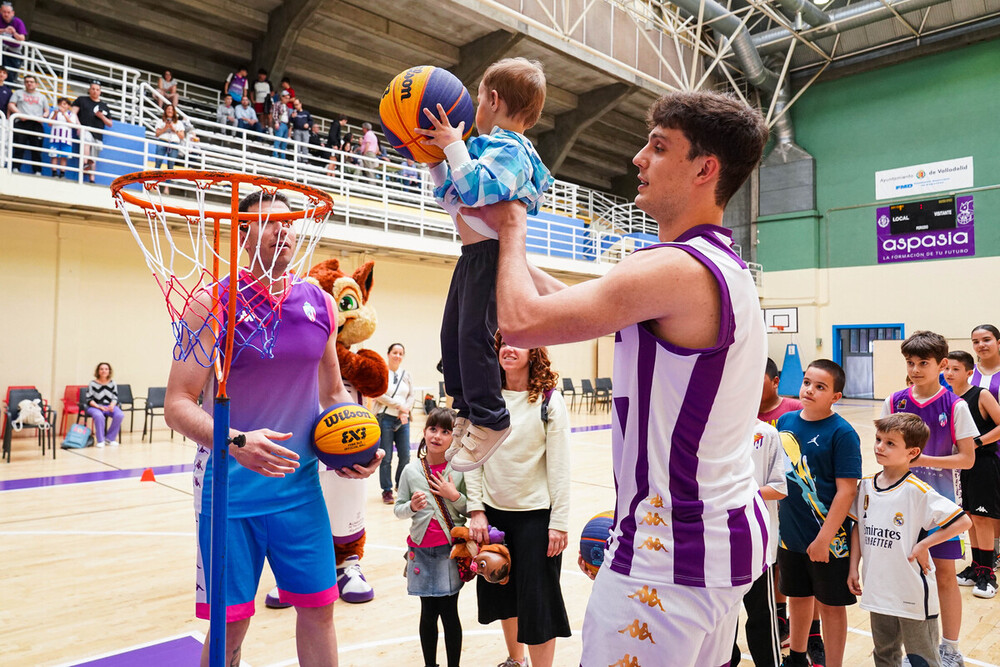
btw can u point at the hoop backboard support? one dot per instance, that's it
(314, 215)
(781, 320)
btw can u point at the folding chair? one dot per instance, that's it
(587, 391)
(155, 399)
(46, 436)
(569, 390)
(602, 392)
(71, 405)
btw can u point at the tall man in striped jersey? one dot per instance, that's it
(690, 532)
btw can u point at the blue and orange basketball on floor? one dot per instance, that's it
(345, 434)
(594, 540)
(403, 103)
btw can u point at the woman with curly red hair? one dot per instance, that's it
(523, 490)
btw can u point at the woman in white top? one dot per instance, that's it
(987, 349)
(393, 414)
(523, 490)
(170, 131)
(168, 87)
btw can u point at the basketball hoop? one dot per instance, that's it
(204, 288)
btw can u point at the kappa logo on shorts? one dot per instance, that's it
(640, 632)
(653, 544)
(656, 501)
(627, 661)
(647, 596)
(653, 519)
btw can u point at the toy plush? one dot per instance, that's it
(490, 560)
(365, 373)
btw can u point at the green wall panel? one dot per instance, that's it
(932, 108)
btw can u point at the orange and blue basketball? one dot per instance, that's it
(403, 103)
(594, 540)
(345, 434)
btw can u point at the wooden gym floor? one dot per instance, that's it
(95, 565)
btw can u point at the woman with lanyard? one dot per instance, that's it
(987, 371)
(393, 414)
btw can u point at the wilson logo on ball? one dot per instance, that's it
(346, 434)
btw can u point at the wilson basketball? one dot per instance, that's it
(345, 434)
(403, 103)
(594, 540)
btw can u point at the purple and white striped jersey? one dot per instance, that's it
(688, 509)
(988, 381)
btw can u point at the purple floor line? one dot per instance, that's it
(83, 477)
(180, 652)
(105, 475)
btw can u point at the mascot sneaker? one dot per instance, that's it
(354, 588)
(457, 433)
(478, 445)
(272, 601)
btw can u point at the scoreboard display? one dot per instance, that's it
(922, 216)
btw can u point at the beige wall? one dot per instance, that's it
(78, 293)
(941, 296)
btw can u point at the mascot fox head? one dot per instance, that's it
(356, 320)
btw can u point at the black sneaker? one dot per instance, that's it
(816, 651)
(967, 577)
(792, 660)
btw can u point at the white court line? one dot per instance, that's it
(396, 641)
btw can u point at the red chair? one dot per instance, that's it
(71, 405)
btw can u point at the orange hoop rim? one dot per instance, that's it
(321, 204)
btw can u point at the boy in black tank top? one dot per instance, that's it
(981, 483)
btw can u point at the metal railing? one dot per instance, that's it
(368, 192)
(62, 73)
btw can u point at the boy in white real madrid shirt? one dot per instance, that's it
(894, 511)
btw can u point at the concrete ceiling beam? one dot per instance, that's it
(285, 23)
(555, 145)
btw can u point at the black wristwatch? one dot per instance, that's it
(978, 441)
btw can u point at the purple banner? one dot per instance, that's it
(959, 241)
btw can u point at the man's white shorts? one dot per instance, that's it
(633, 622)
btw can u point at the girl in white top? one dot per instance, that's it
(523, 490)
(168, 87)
(986, 347)
(393, 414)
(170, 130)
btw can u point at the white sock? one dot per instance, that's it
(950, 642)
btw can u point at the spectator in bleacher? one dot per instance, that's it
(168, 88)
(354, 159)
(286, 86)
(170, 131)
(13, 31)
(369, 146)
(61, 136)
(225, 114)
(94, 115)
(5, 91)
(246, 117)
(236, 85)
(409, 176)
(29, 135)
(279, 122)
(333, 139)
(302, 123)
(262, 94)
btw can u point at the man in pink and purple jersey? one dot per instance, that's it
(690, 533)
(276, 506)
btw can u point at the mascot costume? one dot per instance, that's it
(365, 373)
